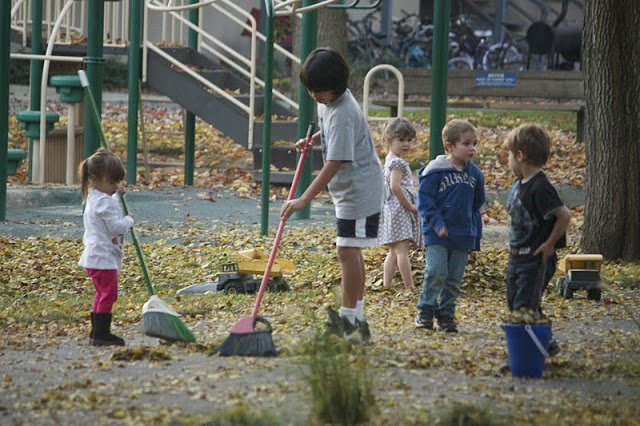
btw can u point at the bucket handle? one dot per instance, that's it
(533, 336)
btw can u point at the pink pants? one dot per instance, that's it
(105, 281)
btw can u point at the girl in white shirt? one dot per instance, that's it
(104, 228)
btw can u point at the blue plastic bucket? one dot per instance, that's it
(526, 355)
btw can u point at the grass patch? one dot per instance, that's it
(557, 120)
(463, 414)
(240, 415)
(340, 380)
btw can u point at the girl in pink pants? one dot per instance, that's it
(101, 176)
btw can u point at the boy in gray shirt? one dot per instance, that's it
(353, 174)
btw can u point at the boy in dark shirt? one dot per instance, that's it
(539, 221)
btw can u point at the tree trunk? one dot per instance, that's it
(332, 32)
(332, 29)
(611, 54)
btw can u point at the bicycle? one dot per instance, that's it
(476, 53)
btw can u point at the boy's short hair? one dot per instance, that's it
(398, 128)
(454, 129)
(325, 70)
(534, 142)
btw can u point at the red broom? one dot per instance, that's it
(245, 339)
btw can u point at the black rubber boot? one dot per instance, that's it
(93, 327)
(102, 331)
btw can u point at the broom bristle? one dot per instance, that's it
(257, 343)
(166, 326)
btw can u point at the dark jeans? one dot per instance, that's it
(527, 278)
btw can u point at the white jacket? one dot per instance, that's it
(104, 228)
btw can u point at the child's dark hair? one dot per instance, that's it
(454, 129)
(325, 70)
(398, 128)
(101, 164)
(534, 142)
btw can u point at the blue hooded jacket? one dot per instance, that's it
(452, 198)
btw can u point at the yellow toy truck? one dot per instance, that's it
(580, 271)
(236, 275)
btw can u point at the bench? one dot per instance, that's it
(556, 91)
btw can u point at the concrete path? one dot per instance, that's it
(57, 211)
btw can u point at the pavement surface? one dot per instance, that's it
(57, 211)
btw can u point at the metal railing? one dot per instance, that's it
(365, 90)
(71, 28)
(173, 17)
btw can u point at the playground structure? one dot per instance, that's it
(195, 69)
(229, 99)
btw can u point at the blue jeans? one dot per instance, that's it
(526, 279)
(442, 277)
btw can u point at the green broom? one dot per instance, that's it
(159, 320)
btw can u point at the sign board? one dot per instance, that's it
(496, 79)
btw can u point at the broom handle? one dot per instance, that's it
(84, 81)
(276, 242)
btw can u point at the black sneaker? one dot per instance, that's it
(554, 348)
(422, 322)
(352, 332)
(364, 330)
(334, 325)
(449, 327)
(342, 327)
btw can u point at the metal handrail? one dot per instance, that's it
(365, 90)
(221, 50)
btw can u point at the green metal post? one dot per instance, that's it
(36, 67)
(266, 128)
(190, 118)
(305, 113)
(5, 36)
(439, 70)
(133, 83)
(94, 61)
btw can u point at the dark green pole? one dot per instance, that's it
(94, 61)
(190, 118)
(439, 75)
(36, 68)
(134, 81)
(266, 128)
(305, 113)
(5, 24)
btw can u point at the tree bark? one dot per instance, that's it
(332, 32)
(611, 54)
(332, 29)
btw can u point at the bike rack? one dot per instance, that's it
(354, 5)
(365, 90)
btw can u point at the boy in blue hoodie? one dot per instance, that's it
(450, 195)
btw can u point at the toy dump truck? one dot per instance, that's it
(236, 276)
(580, 271)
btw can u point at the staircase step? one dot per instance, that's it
(285, 157)
(277, 178)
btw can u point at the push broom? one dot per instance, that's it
(159, 320)
(245, 339)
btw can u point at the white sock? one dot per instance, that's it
(348, 313)
(360, 310)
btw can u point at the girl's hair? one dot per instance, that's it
(534, 142)
(325, 70)
(454, 129)
(398, 128)
(99, 165)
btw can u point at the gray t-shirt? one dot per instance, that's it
(357, 188)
